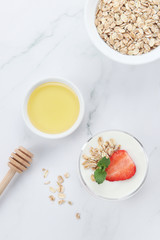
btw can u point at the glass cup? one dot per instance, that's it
(116, 190)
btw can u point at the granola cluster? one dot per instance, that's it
(129, 27)
(104, 149)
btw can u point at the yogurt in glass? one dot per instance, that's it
(117, 189)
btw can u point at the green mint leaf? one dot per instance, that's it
(103, 163)
(102, 168)
(100, 175)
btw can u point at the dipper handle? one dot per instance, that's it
(19, 161)
(6, 180)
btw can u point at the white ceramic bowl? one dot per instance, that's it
(90, 10)
(46, 135)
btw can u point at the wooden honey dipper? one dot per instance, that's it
(19, 161)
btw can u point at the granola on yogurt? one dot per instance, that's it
(104, 149)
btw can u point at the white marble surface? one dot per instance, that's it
(46, 38)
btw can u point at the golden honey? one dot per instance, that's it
(53, 107)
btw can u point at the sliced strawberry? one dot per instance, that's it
(121, 167)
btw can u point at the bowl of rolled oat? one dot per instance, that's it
(126, 31)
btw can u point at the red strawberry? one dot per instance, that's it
(121, 167)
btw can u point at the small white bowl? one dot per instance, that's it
(90, 11)
(46, 135)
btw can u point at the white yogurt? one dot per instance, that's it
(117, 189)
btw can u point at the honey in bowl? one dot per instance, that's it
(53, 107)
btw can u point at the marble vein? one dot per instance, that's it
(59, 41)
(96, 95)
(43, 36)
(94, 107)
(32, 45)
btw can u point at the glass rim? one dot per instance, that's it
(106, 198)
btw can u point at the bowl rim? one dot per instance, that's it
(89, 12)
(27, 121)
(106, 198)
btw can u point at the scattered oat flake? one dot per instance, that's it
(46, 183)
(60, 179)
(151, 42)
(60, 202)
(43, 169)
(92, 178)
(61, 195)
(85, 156)
(100, 141)
(52, 198)
(46, 174)
(66, 175)
(70, 203)
(59, 184)
(124, 18)
(60, 189)
(52, 189)
(78, 216)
